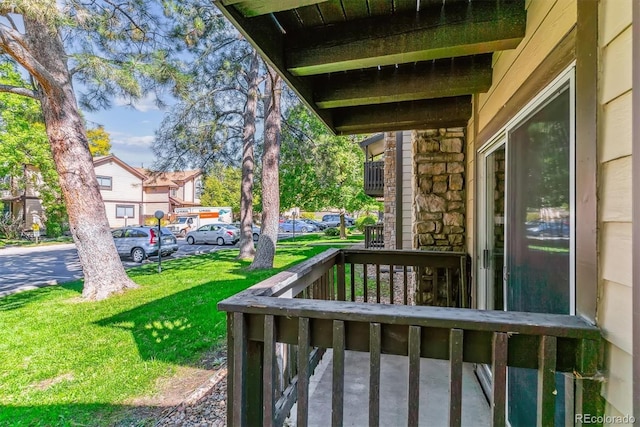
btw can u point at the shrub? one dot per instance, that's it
(10, 227)
(365, 220)
(332, 232)
(307, 215)
(151, 221)
(54, 228)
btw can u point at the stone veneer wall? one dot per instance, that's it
(440, 195)
(389, 190)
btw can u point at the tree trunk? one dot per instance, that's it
(270, 182)
(247, 249)
(343, 231)
(101, 265)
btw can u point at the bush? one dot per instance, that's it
(151, 221)
(54, 229)
(10, 227)
(365, 220)
(307, 215)
(332, 232)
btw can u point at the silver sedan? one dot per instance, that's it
(214, 234)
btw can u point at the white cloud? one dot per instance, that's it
(144, 104)
(130, 140)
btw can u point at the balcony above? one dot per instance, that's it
(366, 66)
(7, 195)
(374, 178)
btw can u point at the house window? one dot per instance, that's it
(104, 182)
(125, 211)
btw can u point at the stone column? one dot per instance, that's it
(440, 198)
(389, 190)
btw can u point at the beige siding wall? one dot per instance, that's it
(407, 191)
(471, 190)
(188, 191)
(151, 207)
(614, 188)
(156, 198)
(548, 21)
(125, 186)
(471, 205)
(126, 189)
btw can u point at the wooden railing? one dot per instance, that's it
(374, 178)
(374, 236)
(403, 277)
(279, 311)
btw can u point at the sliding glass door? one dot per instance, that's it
(526, 221)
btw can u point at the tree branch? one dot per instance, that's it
(23, 91)
(14, 44)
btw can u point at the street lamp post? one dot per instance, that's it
(159, 215)
(293, 215)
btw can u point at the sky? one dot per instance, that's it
(132, 130)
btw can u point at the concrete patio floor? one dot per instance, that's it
(434, 393)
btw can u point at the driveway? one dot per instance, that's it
(23, 268)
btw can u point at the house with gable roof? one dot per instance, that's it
(167, 191)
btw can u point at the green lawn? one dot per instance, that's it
(69, 362)
(41, 242)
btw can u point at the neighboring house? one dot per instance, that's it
(121, 187)
(522, 156)
(169, 190)
(130, 194)
(20, 197)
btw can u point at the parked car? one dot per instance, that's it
(220, 234)
(255, 230)
(140, 242)
(553, 228)
(296, 225)
(318, 224)
(333, 220)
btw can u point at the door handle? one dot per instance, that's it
(485, 258)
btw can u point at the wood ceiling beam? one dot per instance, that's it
(439, 79)
(249, 8)
(457, 29)
(425, 114)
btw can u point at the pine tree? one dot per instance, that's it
(113, 49)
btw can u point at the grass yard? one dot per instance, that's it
(69, 362)
(41, 242)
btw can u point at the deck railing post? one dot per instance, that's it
(238, 392)
(588, 397)
(546, 406)
(269, 372)
(230, 369)
(253, 391)
(340, 271)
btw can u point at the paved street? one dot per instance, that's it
(23, 268)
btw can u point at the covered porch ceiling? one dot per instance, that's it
(370, 66)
